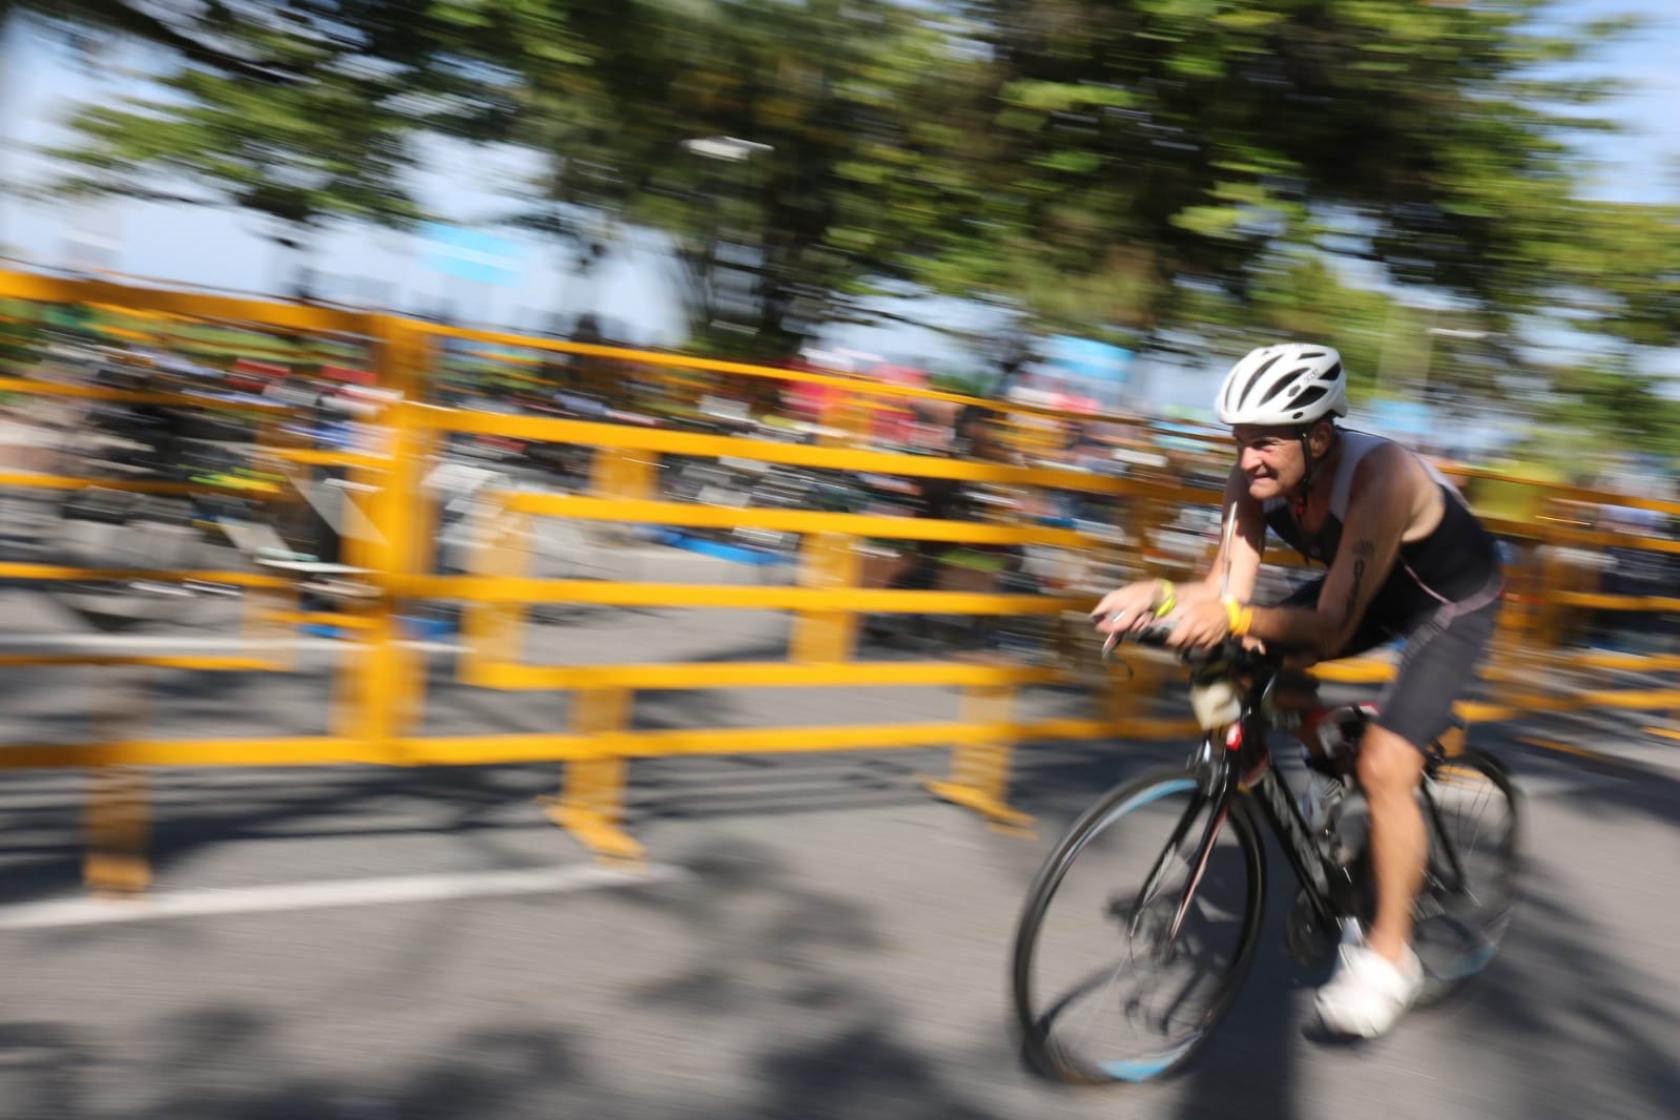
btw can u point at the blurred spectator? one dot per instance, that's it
(1636, 572)
(940, 565)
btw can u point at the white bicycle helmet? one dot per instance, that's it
(1287, 384)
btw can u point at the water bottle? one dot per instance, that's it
(1333, 733)
(1334, 807)
(1319, 804)
(1349, 828)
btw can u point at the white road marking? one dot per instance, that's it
(330, 893)
(179, 645)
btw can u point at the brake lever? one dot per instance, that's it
(1111, 658)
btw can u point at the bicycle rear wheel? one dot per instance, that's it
(1105, 988)
(1474, 817)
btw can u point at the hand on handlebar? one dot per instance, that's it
(1165, 634)
(1205, 625)
(1200, 625)
(1157, 605)
(1192, 622)
(1128, 608)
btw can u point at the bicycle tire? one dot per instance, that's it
(1052, 1055)
(1479, 912)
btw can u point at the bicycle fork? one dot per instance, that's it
(1213, 786)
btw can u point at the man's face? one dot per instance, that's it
(1270, 460)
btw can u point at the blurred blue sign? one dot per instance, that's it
(1399, 419)
(1087, 359)
(1085, 370)
(471, 255)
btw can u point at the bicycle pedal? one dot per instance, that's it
(1309, 942)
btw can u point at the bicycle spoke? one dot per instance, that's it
(1470, 887)
(1091, 1011)
(1181, 944)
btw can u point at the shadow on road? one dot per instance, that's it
(221, 1063)
(768, 977)
(1565, 983)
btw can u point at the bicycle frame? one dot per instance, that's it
(1329, 885)
(1238, 761)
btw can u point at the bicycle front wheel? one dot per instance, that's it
(1138, 931)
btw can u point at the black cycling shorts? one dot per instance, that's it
(1437, 664)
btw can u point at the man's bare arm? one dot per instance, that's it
(1378, 513)
(1236, 568)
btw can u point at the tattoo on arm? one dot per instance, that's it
(1362, 553)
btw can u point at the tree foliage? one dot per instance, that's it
(1153, 151)
(773, 141)
(197, 35)
(1158, 171)
(328, 142)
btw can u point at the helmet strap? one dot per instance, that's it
(1298, 500)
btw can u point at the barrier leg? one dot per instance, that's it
(845, 420)
(980, 771)
(490, 632)
(591, 801)
(828, 560)
(384, 683)
(1516, 655)
(622, 473)
(118, 824)
(266, 620)
(627, 475)
(1130, 685)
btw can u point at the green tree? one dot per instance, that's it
(1130, 168)
(771, 140)
(1611, 397)
(1157, 171)
(329, 144)
(197, 35)
(215, 34)
(1149, 154)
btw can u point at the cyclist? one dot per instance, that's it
(1406, 558)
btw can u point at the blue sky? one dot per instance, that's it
(1643, 163)
(42, 80)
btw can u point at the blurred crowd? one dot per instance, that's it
(259, 508)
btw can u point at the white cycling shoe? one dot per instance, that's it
(1368, 993)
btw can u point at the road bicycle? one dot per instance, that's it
(1139, 929)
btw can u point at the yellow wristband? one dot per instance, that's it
(1239, 616)
(1168, 598)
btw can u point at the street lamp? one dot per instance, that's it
(729, 148)
(724, 149)
(1432, 333)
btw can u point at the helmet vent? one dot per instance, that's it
(1292, 382)
(1254, 378)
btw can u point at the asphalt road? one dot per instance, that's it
(815, 938)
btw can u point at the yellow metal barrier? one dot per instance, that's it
(124, 485)
(380, 689)
(313, 319)
(788, 521)
(826, 598)
(133, 396)
(801, 455)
